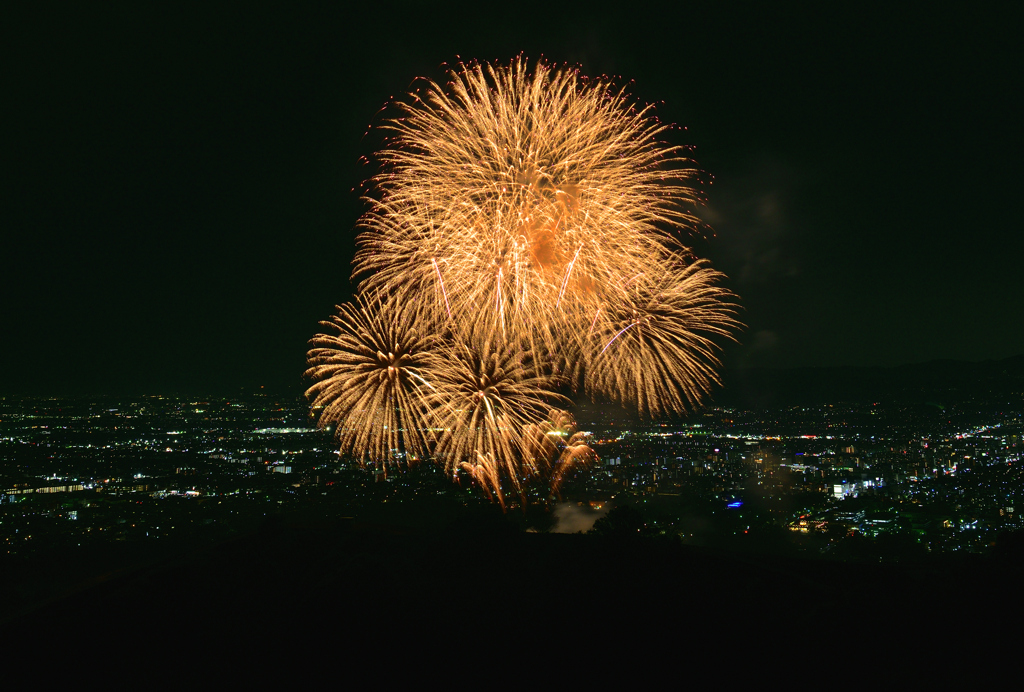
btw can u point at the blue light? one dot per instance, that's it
(734, 505)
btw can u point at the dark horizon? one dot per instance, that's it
(181, 210)
(741, 388)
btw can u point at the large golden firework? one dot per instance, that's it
(533, 222)
(535, 195)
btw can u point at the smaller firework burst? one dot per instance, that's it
(486, 398)
(373, 371)
(656, 351)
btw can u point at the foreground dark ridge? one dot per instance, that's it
(361, 582)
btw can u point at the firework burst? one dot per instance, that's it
(373, 369)
(532, 223)
(655, 350)
(533, 195)
(485, 400)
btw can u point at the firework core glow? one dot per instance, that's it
(524, 238)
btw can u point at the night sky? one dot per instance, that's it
(178, 204)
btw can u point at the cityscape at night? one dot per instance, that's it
(895, 480)
(114, 507)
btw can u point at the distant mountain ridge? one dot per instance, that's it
(936, 380)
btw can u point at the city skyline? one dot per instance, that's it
(802, 479)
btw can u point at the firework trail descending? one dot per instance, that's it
(556, 448)
(532, 222)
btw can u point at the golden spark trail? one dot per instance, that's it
(614, 338)
(568, 271)
(447, 305)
